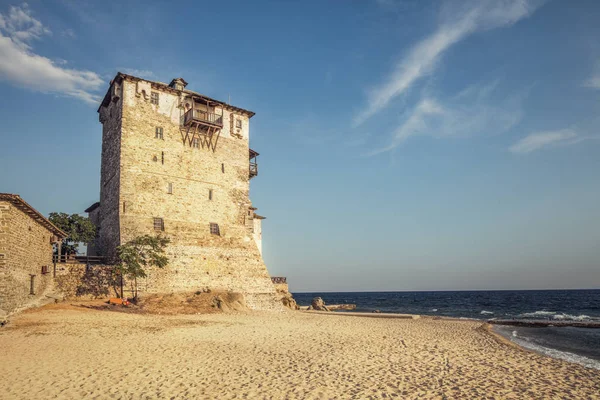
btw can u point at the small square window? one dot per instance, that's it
(154, 98)
(195, 143)
(210, 194)
(214, 229)
(159, 133)
(159, 224)
(170, 188)
(238, 123)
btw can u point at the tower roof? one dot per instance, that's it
(163, 86)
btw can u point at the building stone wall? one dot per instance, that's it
(110, 176)
(257, 233)
(81, 281)
(188, 187)
(25, 246)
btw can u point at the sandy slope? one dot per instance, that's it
(74, 352)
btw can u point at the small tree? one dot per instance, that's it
(79, 230)
(138, 254)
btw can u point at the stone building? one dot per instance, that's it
(26, 239)
(178, 163)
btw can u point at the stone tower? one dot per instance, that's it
(178, 163)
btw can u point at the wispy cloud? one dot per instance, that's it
(539, 140)
(20, 66)
(458, 20)
(474, 111)
(593, 82)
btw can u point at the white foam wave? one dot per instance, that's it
(568, 317)
(538, 314)
(434, 310)
(562, 355)
(486, 312)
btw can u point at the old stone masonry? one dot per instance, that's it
(178, 163)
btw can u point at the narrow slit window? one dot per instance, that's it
(159, 224)
(124, 206)
(170, 188)
(159, 133)
(32, 283)
(214, 229)
(162, 160)
(223, 168)
(154, 98)
(210, 194)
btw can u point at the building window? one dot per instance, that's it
(124, 208)
(159, 224)
(32, 281)
(154, 98)
(223, 168)
(170, 188)
(214, 229)
(210, 194)
(238, 123)
(155, 159)
(159, 133)
(195, 143)
(162, 160)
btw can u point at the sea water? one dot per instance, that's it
(581, 345)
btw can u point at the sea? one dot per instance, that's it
(575, 344)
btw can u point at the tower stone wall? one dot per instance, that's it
(157, 180)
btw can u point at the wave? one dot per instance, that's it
(568, 317)
(562, 355)
(538, 314)
(556, 316)
(486, 312)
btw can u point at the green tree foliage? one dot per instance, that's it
(79, 230)
(138, 254)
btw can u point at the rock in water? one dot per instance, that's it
(318, 304)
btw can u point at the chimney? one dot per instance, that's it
(178, 84)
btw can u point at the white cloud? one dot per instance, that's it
(456, 24)
(538, 140)
(593, 82)
(472, 112)
(21, 27)
(20, 66)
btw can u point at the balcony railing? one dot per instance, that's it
(253, 169)
(204, 117)
(74, 259)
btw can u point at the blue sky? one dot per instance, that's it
(405, 145)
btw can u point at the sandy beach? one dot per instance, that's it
(73, 352)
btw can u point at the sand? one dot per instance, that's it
(63, 351)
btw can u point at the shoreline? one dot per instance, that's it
(488, 327)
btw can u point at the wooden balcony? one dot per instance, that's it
(192, 116)
(253, 171)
